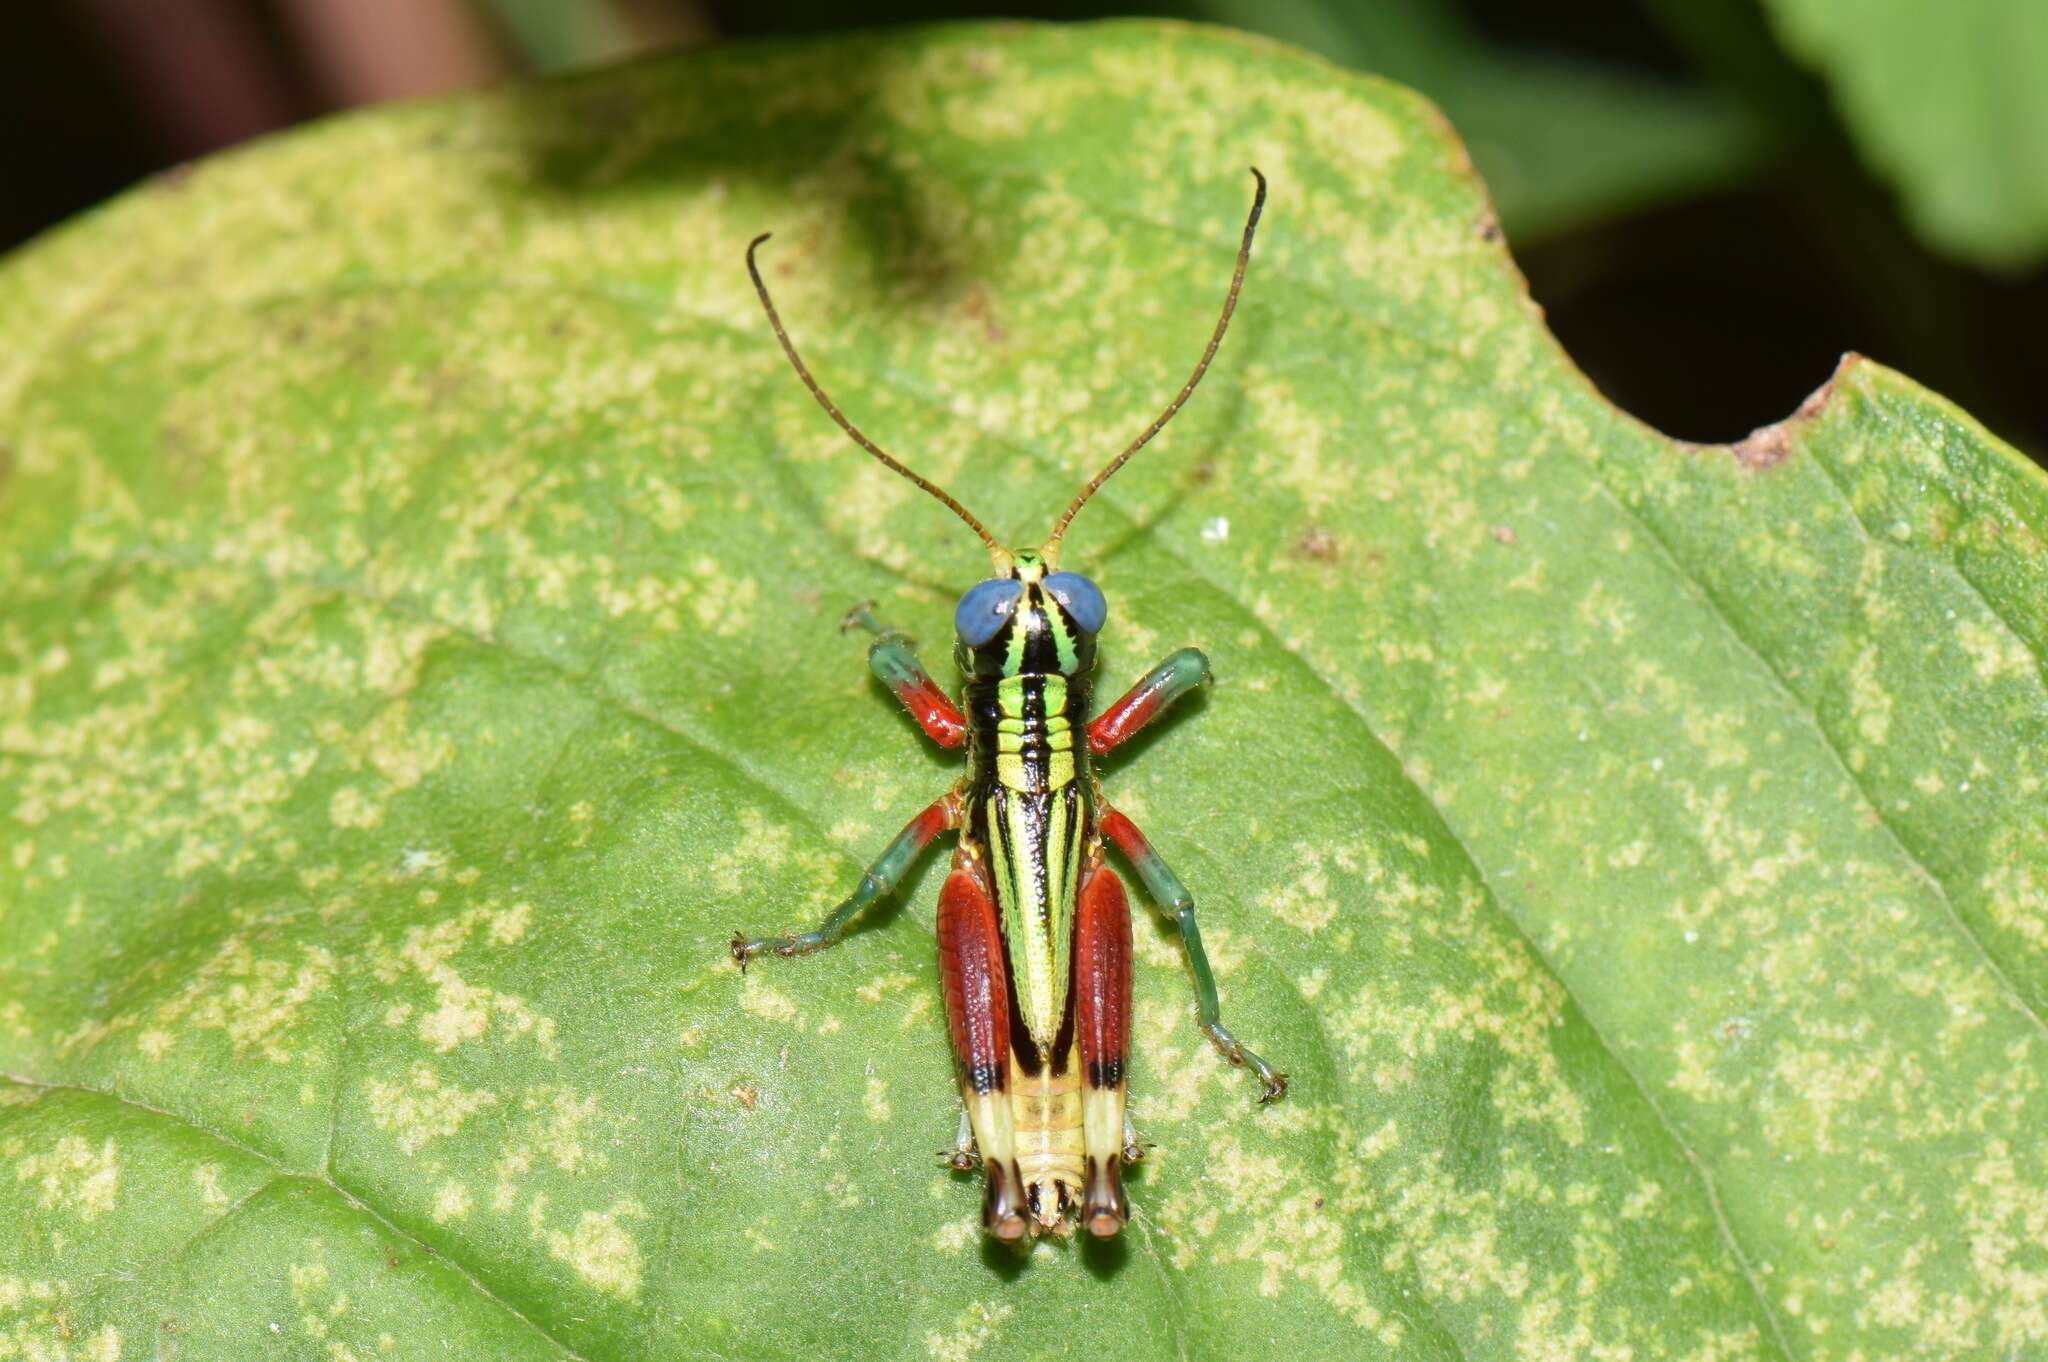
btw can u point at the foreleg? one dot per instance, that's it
(1159, 688)
(894, 658)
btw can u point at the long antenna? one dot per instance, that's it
(1000, 553)
(1244, 255)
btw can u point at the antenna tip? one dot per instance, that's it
(755, 244)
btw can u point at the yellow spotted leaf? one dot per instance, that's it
(419, 654)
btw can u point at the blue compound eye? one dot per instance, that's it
(984, 608)
(1081, 598)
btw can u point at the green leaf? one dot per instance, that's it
(419, 656)
(553, 35)
(1946, 102)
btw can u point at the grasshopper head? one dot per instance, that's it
(1031, 622)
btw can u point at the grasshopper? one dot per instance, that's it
(1034, 929)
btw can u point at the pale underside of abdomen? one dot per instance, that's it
(1046, 1109)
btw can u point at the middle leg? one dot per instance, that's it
(889, 868)
(1185, 671)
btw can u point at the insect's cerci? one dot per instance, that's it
(1034, 928)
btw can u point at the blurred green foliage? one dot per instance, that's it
(1949, 102)
(1560, 141)
(550, 35)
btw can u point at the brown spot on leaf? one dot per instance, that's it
(444, 384)
(1318, 544)
(978, 307)
(744, 1095)
(1502, 534)
(1768, 446)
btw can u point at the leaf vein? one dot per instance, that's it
(279, 1171)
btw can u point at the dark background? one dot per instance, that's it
(1708, 300)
